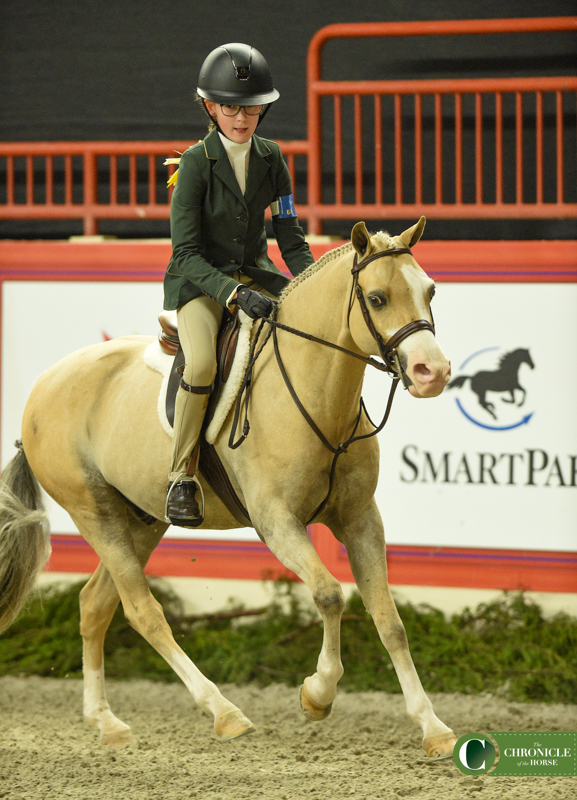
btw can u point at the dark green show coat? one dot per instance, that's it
(216, 230)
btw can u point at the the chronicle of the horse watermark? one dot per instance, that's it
(508, 754)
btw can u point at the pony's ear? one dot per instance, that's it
(360, 238)
(412, 235)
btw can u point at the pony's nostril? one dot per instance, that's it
(421, 371)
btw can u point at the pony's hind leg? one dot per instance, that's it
(107, 528)
(98, 601)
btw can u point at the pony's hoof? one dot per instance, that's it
(312, 710)
(232, 725)
(440, 746)
(118, 739)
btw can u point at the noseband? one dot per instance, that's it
(388, 350)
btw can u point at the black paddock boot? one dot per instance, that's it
(182, 507)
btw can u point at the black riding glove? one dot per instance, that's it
(253, 303)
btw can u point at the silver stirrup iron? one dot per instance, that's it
(179, 477)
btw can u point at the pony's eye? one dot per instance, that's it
(377, 300)
(432, 292)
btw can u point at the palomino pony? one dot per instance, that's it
(91, 436)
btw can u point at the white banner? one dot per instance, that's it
(490, 463)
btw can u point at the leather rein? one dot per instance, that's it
(387, 350)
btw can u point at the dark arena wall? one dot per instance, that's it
(127, 70)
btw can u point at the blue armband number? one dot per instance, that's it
(284, 207)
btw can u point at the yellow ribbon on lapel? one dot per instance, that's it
(174, 177)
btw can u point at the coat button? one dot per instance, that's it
(243, 218)
(240, 240)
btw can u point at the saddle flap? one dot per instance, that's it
(168, 335)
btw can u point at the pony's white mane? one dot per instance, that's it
(381, 239)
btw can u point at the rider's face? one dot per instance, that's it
(239, 128)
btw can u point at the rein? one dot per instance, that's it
(388, 352)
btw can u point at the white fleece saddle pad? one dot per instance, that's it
(158, 360)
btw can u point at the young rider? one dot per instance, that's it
(219, 245)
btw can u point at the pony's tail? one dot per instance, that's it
(460, 381)
(24, 535)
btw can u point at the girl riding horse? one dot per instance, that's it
(219, 245)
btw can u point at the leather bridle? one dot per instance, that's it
(388, 352)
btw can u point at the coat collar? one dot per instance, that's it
(258, 164)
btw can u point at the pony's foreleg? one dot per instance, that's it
(98, 601)
(288, 540)
(364, 539)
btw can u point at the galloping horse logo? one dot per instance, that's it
(503, 380)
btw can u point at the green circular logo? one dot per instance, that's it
(474, 754)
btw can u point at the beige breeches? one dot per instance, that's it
(198, 324)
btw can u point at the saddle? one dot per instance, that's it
(210, 464)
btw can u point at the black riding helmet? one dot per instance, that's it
(236, 74)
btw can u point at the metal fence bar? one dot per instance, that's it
(68, 180)
(539, 146)
(151, 180)
(458, 148)
(499, 147)
(518, 148)
(438, 149)
(338, 149)
(113, 179)
(358, 150)
(478, 147)
(398, 150)
(418, 149)
(559, 144)
(378, 149)
(49, 170)
(29, 180)
(10, 180)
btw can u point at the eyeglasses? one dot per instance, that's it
(232, 111)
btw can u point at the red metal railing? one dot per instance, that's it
(482, 167)
(459, 148)
(96, 180)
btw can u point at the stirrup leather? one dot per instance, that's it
(194, 389)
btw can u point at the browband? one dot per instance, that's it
(395, 252)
